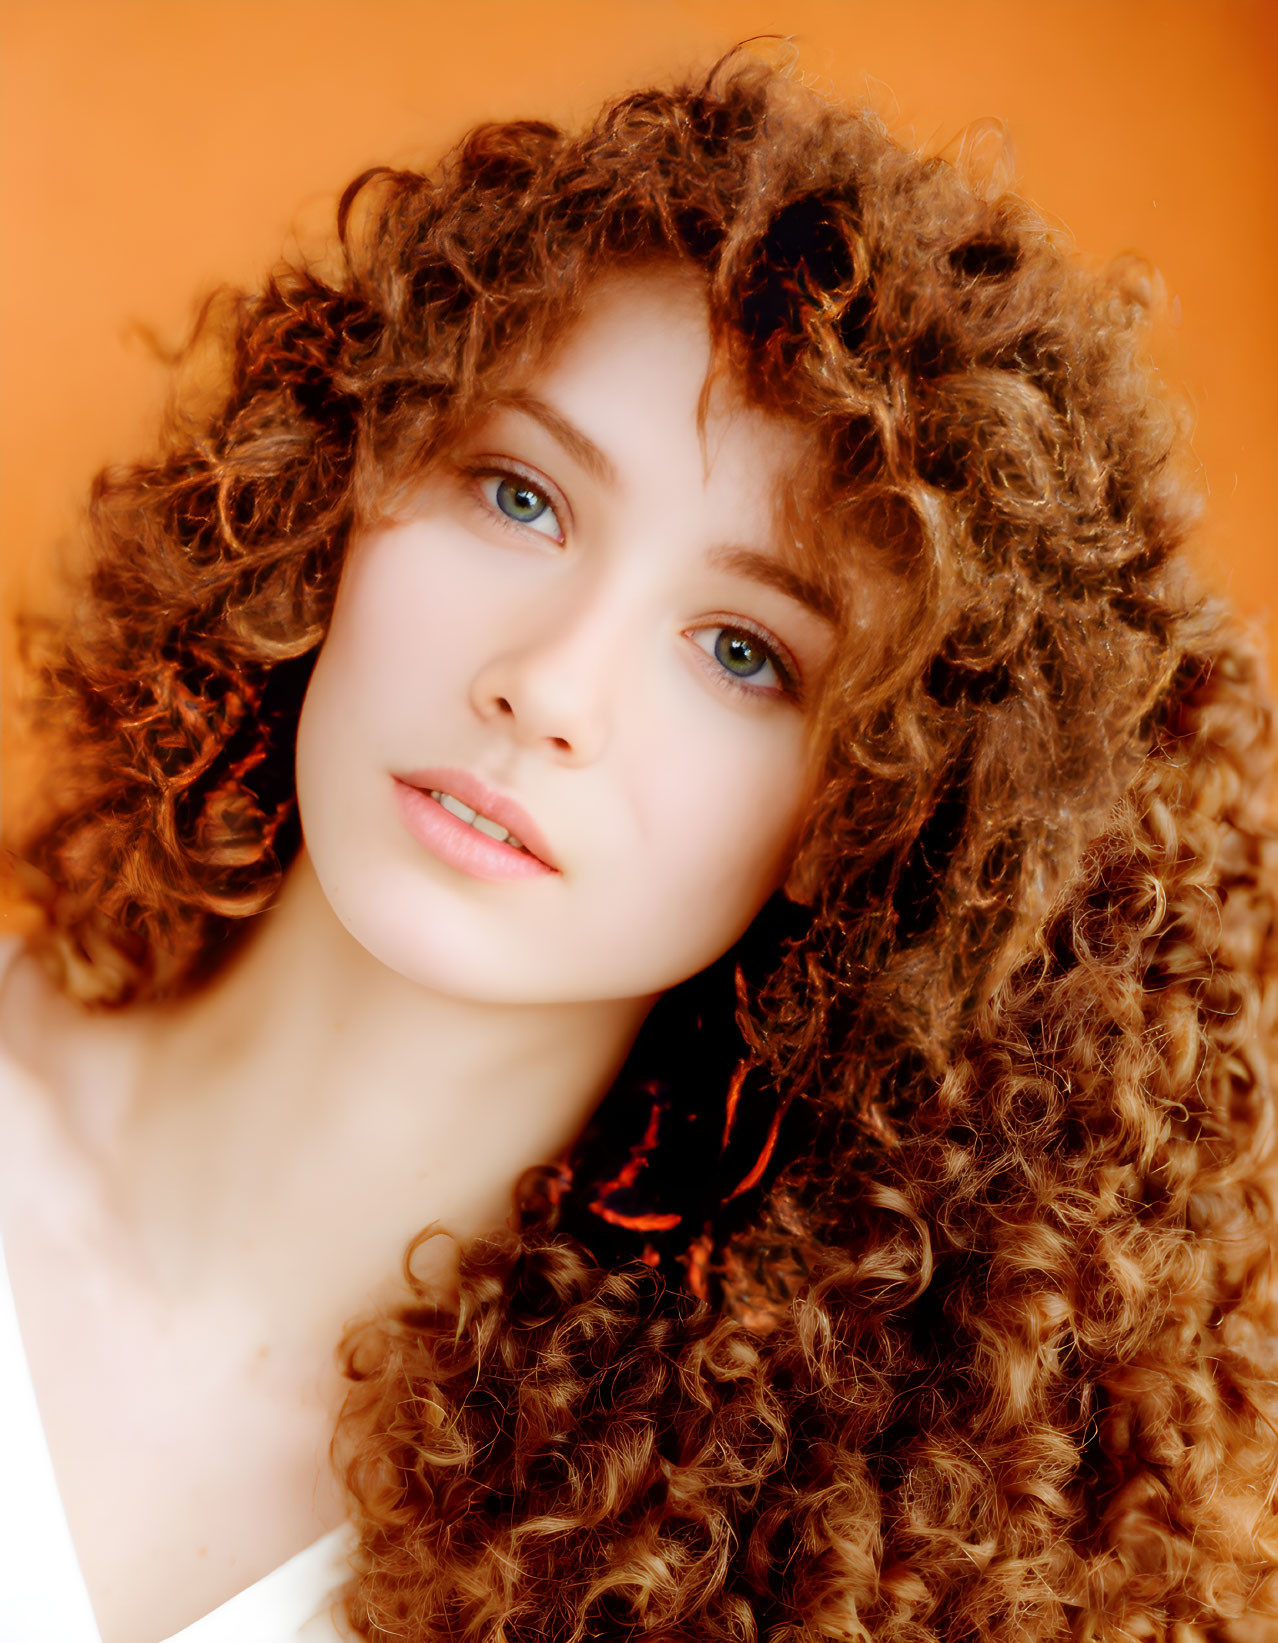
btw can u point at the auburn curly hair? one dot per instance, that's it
(911, 1283)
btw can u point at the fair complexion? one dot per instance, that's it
(588, 612)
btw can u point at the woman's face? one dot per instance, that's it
(588, 629)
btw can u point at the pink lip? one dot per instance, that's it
(460, 845)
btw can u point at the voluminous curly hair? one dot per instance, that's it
(928, 1297)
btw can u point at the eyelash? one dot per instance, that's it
(525, 480)
(791, 684)
(783, 664)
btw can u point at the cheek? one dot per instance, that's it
(724, 817)
(402, 637)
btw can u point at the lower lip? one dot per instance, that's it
(460, 845)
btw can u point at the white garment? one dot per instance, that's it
(43, 1598)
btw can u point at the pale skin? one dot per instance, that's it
(201, 1196)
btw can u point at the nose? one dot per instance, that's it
(550, 681)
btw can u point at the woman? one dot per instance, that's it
(768, 790)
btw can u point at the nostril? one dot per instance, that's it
(528, 723)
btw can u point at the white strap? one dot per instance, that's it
(43, 1598)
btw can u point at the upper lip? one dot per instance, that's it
(498, 807)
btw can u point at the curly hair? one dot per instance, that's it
(911, 1283)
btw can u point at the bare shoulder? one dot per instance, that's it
(34, 1027)
(18, 1080)
(12, 946)
(25, 1117)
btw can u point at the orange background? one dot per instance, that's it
(152, 149)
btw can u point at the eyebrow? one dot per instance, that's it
(761, 567)
(758, 567)
(577, 444)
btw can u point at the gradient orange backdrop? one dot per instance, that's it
(152, 149)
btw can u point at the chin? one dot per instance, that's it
(517, 945)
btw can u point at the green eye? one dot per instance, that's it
(747, 663)
(742, 655)
(520, 501)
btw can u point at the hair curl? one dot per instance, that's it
(970, 1338)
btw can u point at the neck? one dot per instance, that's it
(311, 1095)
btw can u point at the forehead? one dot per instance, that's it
(639, 345)
(636, 371)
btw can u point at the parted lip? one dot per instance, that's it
(498, 807)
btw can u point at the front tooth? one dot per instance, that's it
(482, 824)
(493, 829)
(456, 808)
